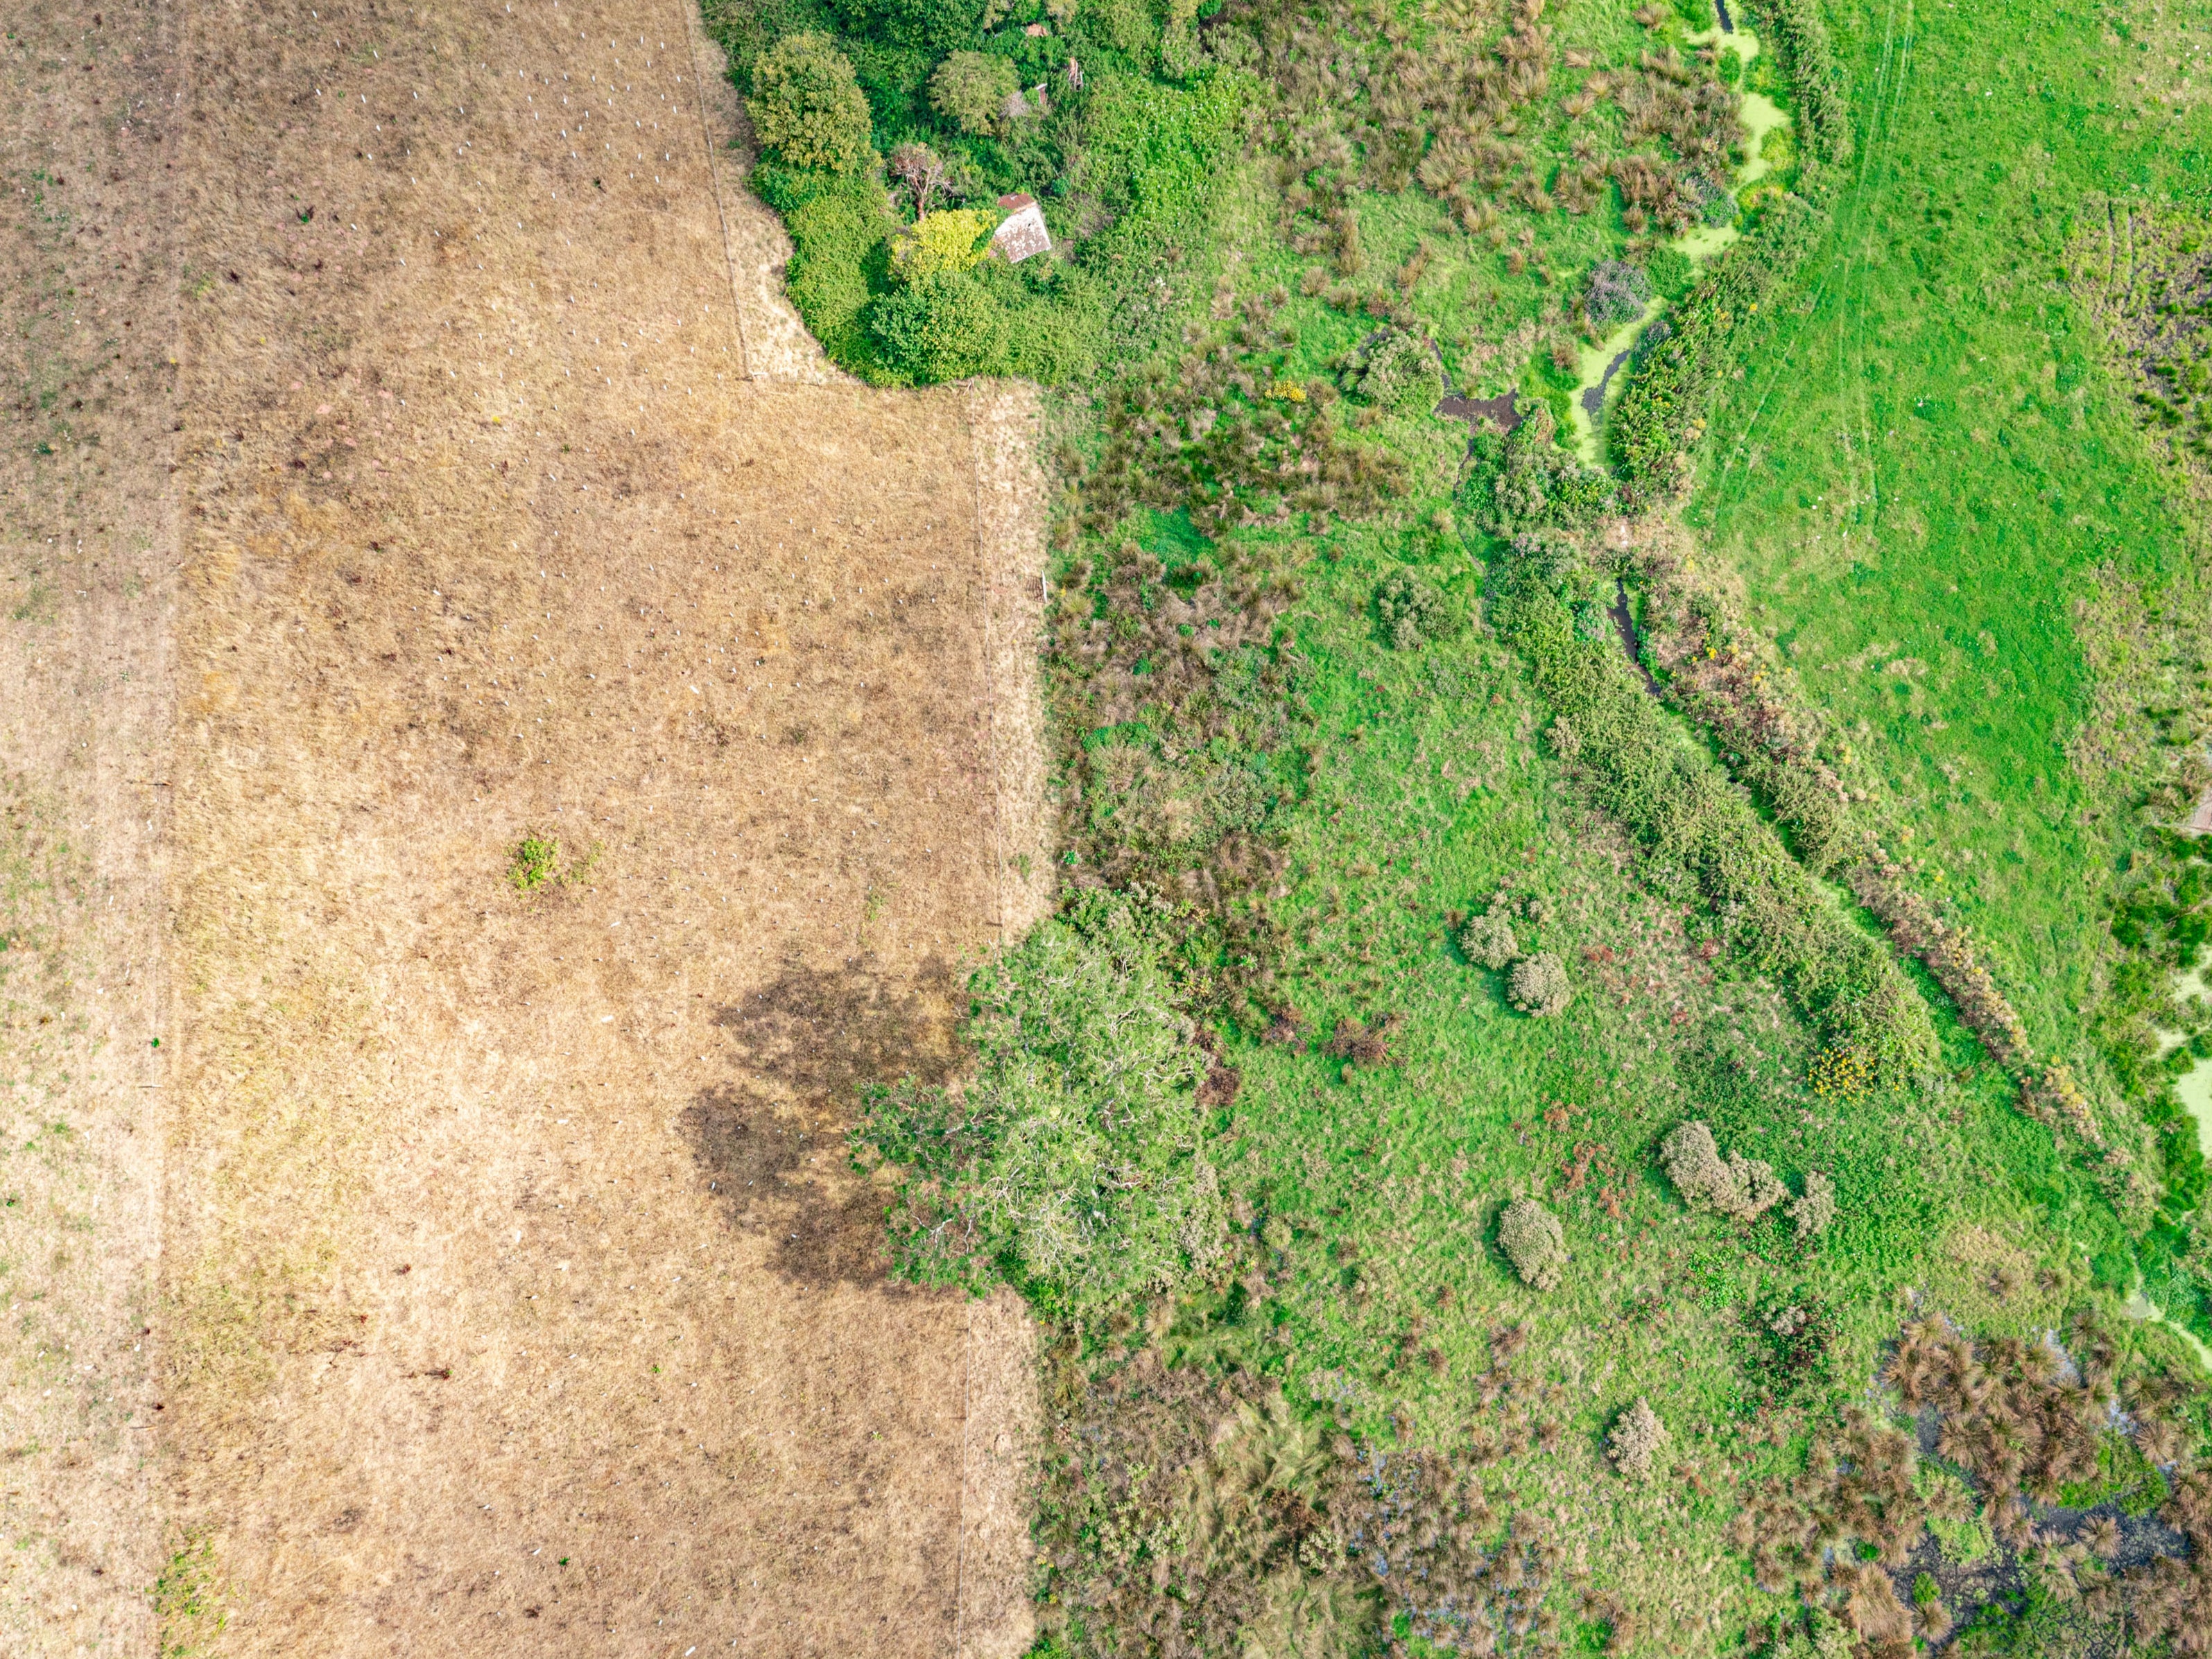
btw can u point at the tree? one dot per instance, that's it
(807, 106)
(941, 326)
(927, 176)
(1073, 1163)
(972, 88)
(1533, 1240)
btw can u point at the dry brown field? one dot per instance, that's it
(429, 463)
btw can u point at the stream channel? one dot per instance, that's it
(1599, 379)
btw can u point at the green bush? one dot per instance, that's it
(970, 88)
(945, 325)
(935, 26)
(535, 860)
(1414, 610)
(1523, 481)
(1073, 1164)
(1795, 30)
(806, 106)
(952, 238)
(840, 228)
(1155, 157)
(1673, 274)
(1395, 367)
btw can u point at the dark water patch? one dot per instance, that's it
(1594, 396)
(1498, 410)
(1625, 625)
(2000, 1577)
(1727, 23)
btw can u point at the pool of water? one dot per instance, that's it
(1602, 368)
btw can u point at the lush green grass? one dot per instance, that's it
(1431, 792)
(1921, 473)
(1926, 471)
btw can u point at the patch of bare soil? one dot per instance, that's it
(514, 1290)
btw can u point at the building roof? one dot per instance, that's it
(1024, 233)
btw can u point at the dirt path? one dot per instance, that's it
(512, 1286)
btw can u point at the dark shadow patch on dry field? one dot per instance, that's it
(771, 1142)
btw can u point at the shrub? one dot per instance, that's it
(1545, 556)
(1738, 1187)
(971, 89)
(1073, 1164)
(1634, 1444)
(928, 26)
(1816, 1208)
(1618, 293)
(1538, 986)
(1715, 201)
(1395, 367)
(535, 861)
(1414, 612)
(942, 326)
(953, 240)
(1532, 1239)
(1488, 937)
(807, 107)
(1524, 481)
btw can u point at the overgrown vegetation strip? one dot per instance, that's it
(1686, 810)
(1661, 417)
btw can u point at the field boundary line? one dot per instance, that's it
(693, 29)
(960, 1514)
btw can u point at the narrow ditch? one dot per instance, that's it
(1625, 626)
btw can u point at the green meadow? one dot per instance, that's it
(1397, 904)
(1930, 480)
